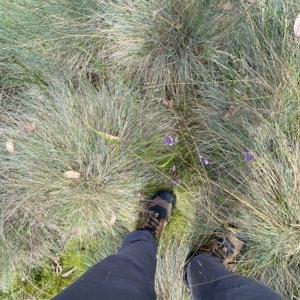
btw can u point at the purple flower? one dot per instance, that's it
(248, 156)
(203, 160)
(176, 182)
(169, 141)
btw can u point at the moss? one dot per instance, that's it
(181, 224)
(44, 281)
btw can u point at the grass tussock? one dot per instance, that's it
(40, 207)
(177, 41)
(80, 91)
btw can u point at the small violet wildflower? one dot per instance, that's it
(203, 160)
(176, 182)
(169, 141)
(248, 156)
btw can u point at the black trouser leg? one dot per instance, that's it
(208, 279)
(127, 275)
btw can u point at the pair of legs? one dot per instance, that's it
(130, 273)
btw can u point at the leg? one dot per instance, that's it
(208, 279)
(130, 273)
(126, 275)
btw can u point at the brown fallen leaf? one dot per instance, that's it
(171, 104)
(30, 126)
(55, 260)
(179, 26)
(231, 111)
(112, 219)
(72, 175)
(106, 136)
(164, 100)
(109, 136)
(174, 176)
(10, 146)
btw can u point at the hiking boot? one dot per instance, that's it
(225, 246)
(158, 213)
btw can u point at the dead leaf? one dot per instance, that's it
(173, 169)
(297, 26)
(71, 175)
(30, 126)
(68, 273)
(171, 104)
(106, 136)
(174, 175)
(109, 136)
(164, 100)
(231, 111)
(10, 146)
(112, 219)
(179, 26)
(58, 267)
(226, 6)
(55, 260)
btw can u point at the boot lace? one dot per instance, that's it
(153, 223)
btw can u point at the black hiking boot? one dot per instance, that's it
(222, 245)
(158, 213)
